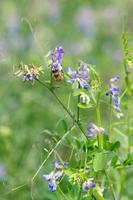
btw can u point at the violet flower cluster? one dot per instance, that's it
(87, 185)
(55, 175)
(57, 55)
(93, 131)
(79, 76)
(114, 92)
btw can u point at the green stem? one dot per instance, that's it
(126, 74)
(51, 152)
(78, 124)
(110, 116)
(98, 115)
(110, 185)
(78, 117)
(123, 177)
(99, 136)
(79, 194)
(129, 142)
(57, 98)
(51, 79)
(62, 193)
(65, 108)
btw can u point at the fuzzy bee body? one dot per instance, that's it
(58, 75)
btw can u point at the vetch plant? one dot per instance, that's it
(94, 153)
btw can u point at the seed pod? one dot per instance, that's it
(84, 99)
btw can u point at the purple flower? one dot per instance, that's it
(59, 165)
(93, 131)
(49, 176)
(79, 76)
(115, 79)
(87, 185)
(57, 55)
(51, 179)
(52, 185)
(27, 76)
(114, 92)
(54, 176)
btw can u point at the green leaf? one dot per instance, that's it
(99, 161)
(82, 105)
(114, 160)
(129, 160)
(110, 145)
(81, 91)
(78, 92)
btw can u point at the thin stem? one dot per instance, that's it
(78, 124)
(65, 108)
(79, 194)
(51, 79)
(127, 75)
(123, 178)
(98, 115)
(129, 142)
(78, 117)
(99, 136)
(57, 98)
(110, 115)
(50, 153)
(110, 184)
(62, 193)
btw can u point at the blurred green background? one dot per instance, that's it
(88, 30)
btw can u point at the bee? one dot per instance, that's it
(56, 67)
(58, 75)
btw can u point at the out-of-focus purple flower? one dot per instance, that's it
(79, 76)
(93, 131)
(114, 91)
(52, 9)
(115, 79)
(57, 55)
(110, 15)
(51, 179)
(49, 176)
(87, 185)
(3, 172)
(85, 21)
(58, 165)
(52, 185)
(54, 176)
